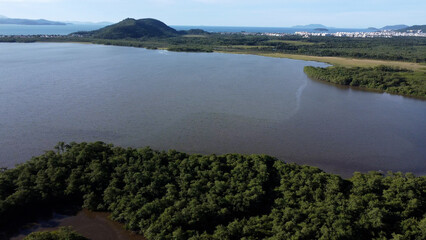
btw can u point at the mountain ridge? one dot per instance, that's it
(394, 27)
(22, 21)
(413, 28)
(132, 28)
(141, 28)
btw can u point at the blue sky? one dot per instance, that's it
(271, 13)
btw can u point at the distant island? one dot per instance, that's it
(394, 27)
(19, 21)
(310, 26)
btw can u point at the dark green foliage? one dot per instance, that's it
(130, 33)
(195, 32)
(173, 195)
(63, 233)
(131, 28)
(409, 49)
(190, 49)
(382, 78)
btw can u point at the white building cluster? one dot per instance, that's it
(383, 34)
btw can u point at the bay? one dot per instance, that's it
(200, 103)
(13, 29)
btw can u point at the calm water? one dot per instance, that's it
(200, 102)
(13, 29)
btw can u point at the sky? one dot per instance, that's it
(260, 13)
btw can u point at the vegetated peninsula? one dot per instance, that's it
(381, 78)
(174, 195)
(5, 20)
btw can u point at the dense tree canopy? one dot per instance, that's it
(382, 78)
(173, 195)
(408, 49)
(62, 233)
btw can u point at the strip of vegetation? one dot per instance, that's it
(408, 49)
(63, 233)
(189, 49)
(381, 78)
(173, 195)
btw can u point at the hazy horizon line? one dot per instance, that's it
(195, 25)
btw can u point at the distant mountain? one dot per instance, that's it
(131, 28)
(310, 26)
(414, 28)
(89, 23)
(394, 27)
(5, 20)
(373, 29)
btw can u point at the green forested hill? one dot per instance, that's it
(131, 28)
(173, 195)
(414, 28)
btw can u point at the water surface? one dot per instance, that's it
(15, 29)
(92, 225)
(200, 103)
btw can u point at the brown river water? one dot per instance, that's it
(93, 225)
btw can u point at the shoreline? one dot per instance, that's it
(338, 61)
(334, 61)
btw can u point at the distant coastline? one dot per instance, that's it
(14, 29)
(20, 21)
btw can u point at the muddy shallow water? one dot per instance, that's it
(93, 225)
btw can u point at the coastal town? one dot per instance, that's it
(381, 34)
(313, 33)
